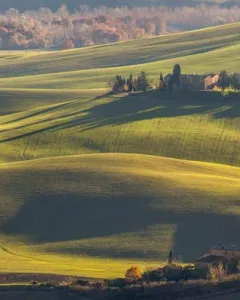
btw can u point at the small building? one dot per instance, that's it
(220, 254)
(210, 81)
(206, 261)
(229, 252)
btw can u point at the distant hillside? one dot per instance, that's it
(74, 4)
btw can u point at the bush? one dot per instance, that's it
(133, 274)
(217, 272)
(191, 273)
(154, 275)
(173, 272)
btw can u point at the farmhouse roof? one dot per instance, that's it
(209, 77)
(210, 259)
(226, 247)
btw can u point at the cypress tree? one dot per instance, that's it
(130, 83)
(170, 257)
(177, 74)
(162, 85)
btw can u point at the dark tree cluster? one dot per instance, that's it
(65, 30)
(131, 84)
(226, 80)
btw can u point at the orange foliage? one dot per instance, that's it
(133, 274)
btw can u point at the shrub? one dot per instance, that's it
(238, 267)
(133, 274)
(191, 273)
(228, 91)
(154, 275)
(217, 272)
(173, 272)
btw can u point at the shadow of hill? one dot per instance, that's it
(191, 240)
(67, 217)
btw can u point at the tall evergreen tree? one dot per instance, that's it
(177, 74)
(142, 82)
(170, 257)
(162, 85)
(130, 83)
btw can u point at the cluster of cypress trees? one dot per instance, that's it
(122, 84)
(141, 83)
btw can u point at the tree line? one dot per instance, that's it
(64, 30)
(141, 82)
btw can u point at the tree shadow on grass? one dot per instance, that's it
(141, 106)
(154, 104)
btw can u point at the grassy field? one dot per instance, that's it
(197, 51)
(62, 211)
(196, 126)
(113, 207)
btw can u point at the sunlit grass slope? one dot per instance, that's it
(214, 61)
(196, 126)
(113, 206)
(198, 51)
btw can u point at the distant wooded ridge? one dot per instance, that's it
(63, 29)
(75, 4)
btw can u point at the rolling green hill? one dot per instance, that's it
(86, 186)
(194, 125)
(114, 206)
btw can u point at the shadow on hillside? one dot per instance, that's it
(56, 218)
(153, 104)
(141, 106)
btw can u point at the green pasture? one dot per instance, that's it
(195, 125)
(95, 212)
(92, 183)
(200, 51)
(213, 61)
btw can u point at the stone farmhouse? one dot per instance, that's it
(210, 81)
(219, 254)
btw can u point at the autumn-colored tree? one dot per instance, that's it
(68, 44)
(133, 274)
(45, 28)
